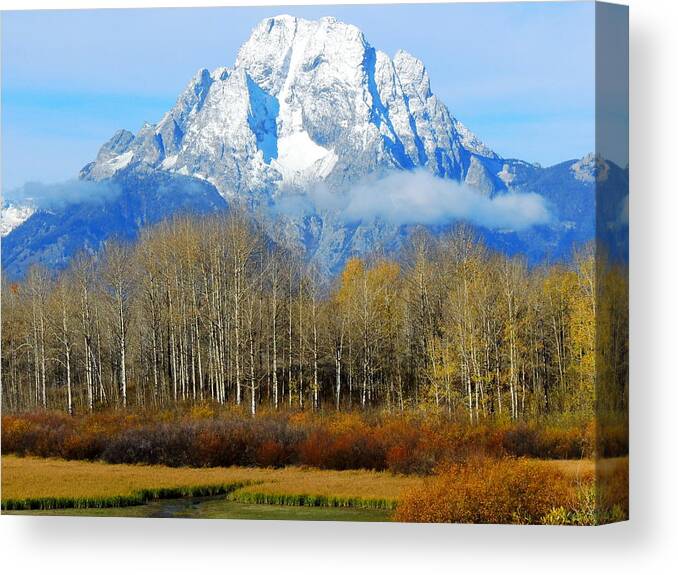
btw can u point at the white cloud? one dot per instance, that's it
(47, 196)
(419, 197)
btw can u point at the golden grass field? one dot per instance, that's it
(55, 483)
(37, 478)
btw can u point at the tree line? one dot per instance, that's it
(212, 310)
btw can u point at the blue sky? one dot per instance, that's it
(521, 76)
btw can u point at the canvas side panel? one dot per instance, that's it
(612, 260)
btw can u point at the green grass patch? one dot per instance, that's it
(304, 500)
(140, 497)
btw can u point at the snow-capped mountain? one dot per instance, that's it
(306, 101)
(306, 105)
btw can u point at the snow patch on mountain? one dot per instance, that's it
(169, 162)
(299, 156)
(590, 168)
(12, 216)
(507, 175)
(120, 162)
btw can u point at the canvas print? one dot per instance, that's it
(341, 263)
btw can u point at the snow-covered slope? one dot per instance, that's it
(12, 216)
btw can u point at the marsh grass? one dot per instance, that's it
(486, 490)
(140, 497)
(35, 483)
(301, 500)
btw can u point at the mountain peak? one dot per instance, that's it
(118, 144)
(278, 46)
(307, 101)
(113, 156)
(590, 168)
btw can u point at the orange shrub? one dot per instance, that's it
(209, 435)
(409, 446)
(271, 454)
(342, 448)
(14, 432)
(485, 490)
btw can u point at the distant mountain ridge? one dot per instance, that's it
(307, 103)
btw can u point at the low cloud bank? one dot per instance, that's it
(419, 197)
(49, 196)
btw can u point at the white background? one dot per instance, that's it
(647, 544)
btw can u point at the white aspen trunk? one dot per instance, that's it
(339, 351)
(88, 376)
(497, 374)
(435, 372)
(315, 361)
(236, 327)
(400, 391)
(194, 387)
(253, 402)
(155, 361)
(350, 373)
(275, 344)
(69, 389)
(199, 357)
(67, 355)
(470, 395)
(172, 346)
(289, 333)
(123, 372)
(36, 358)
(301, 354)
(464, 329)
(99, 364)
(43, 370)
(87, 340)
(365, 346)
